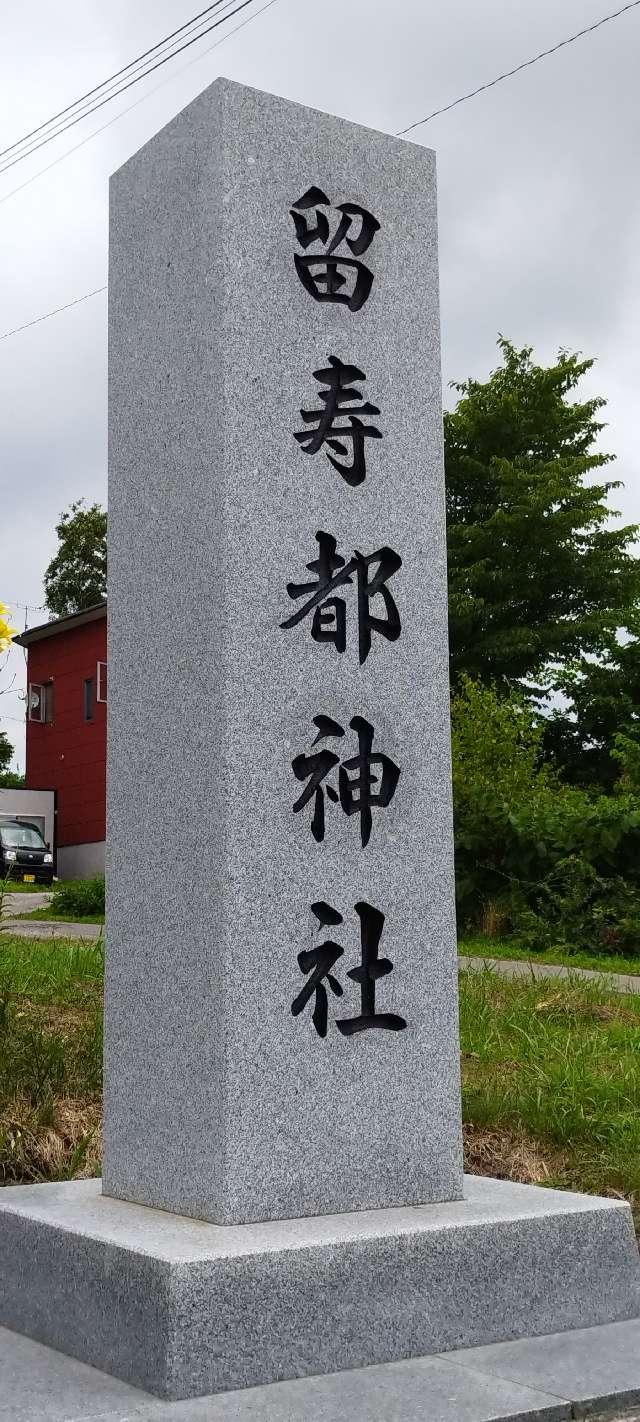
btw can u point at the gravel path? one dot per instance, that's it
(41, 928)
(24, 903)
(521, 968)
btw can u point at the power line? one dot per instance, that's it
(123, 88)
(26, 606)
(544, 53)
(125, 69)
(401, 132)
(16, 330)
(143, 98)
(110, 89)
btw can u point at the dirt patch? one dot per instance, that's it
(507, 1156)
(565, 1005)
(59, 1141)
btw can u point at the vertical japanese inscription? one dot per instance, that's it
(342, 424)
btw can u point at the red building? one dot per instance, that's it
(66, 732)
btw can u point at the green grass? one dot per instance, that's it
(557, 1063)
(49, 915)
(50, 1058)
(50, 971)
(551, 1072)
(11, 886)
(510, 948)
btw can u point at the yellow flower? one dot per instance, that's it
(7, 632)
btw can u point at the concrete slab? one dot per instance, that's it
(37, 1382)
(39, 1385)
(184, 1308)
(592, 1367)
(23, 903)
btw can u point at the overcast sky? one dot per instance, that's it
(539, 207)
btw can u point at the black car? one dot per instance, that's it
(23, 853)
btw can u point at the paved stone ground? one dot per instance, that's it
(24, 903)
(525, 968)
(41, 928)
(593, 1372)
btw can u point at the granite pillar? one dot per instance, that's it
(279, 801)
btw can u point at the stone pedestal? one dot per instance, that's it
(183, 1308)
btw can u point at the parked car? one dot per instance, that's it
(24, 854)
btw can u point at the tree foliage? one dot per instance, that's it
(537, 575)
(560, 864)
(76, 577)
(603, 707)
(6, 752)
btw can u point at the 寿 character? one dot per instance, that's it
(339, 424)
(329, 621)
(329, 277)
(319, 962)
(366, 975)
(358, 794)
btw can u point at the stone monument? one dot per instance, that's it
(283, 1189)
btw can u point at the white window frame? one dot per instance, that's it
(36, 713)
(99, 680)
(41, 712)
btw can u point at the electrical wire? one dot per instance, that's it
(124, 87)
(16, 330)
(107, 92)
(125, 69)
(26, 606)
(509, 73)
(143, 98)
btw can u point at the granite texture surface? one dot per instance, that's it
(221, 1103)
(183, 1308)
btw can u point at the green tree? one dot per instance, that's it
(604, 707)
(537, 575)
(76, 577)
(6, 752)
(496, 746)
(11, 780)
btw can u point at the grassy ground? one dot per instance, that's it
(49, 915)
(551, 1073)
(50, 1059)
(551, 1083)
(510, 948)
(16, 886)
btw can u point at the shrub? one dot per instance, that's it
(496, 751)
(574, 908)
(558, 865)
(79, 896)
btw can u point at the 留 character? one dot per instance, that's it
(339, 424)
(330, 275)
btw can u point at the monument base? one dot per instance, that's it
(183, 1309)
